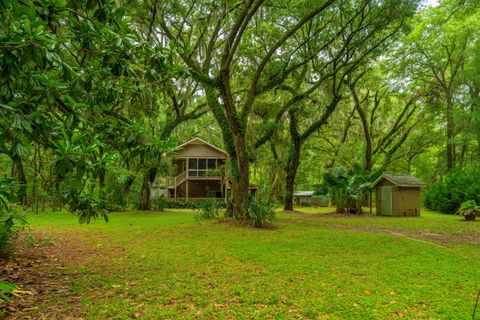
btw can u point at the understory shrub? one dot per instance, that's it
(175, 204)
(455, 188)
(11, 222)
(208, 209)
(260, 212)
(159, 203)
(86, 206)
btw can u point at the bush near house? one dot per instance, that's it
(209, 209)
(260, 212)
(174, 204)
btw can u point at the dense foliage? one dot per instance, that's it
(11, 221)
(455, 188)
(347, 188)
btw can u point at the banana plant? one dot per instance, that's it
(347, 188)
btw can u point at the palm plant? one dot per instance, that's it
(347, 188)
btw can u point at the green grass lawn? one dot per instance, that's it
(167, 265)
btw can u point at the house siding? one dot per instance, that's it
(199, 151)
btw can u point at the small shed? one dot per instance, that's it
(398, 195)
(303, 197)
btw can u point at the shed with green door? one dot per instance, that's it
(398, 195)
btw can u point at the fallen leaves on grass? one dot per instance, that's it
(42, 280)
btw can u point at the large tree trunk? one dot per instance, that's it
(293, 162)
(18, 173)
(148, 179)
(240, 179)
(450, 136)
(366, 130)
(292, 169)
(289, 187)
(368, 139)
(234, 140)
(127, 186)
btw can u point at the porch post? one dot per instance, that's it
(186, 188)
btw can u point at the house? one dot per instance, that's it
(199, 169)
(398, 195)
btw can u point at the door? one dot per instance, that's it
(386, 201)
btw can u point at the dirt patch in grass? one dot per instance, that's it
(40, 270)
(438, 238)
(441, 238)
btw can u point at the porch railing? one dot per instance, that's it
(196, 173)
(174, 182)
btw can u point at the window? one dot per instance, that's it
(211, 164)
(192, 163)
(202, 164)
(205, 167)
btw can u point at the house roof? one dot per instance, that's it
(200, 141)
(303, 193)
(400, 180)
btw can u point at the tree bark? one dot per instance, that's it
(450, 136)
(127, 187)
(18, 173)
(241, 181)
(148, 179)
(293, 162)
(291, 175)
(366, 133)
(101, 178)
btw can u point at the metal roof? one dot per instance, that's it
(303, 193)
(400, 180)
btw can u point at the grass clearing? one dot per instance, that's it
(167, 265)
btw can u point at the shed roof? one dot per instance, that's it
(303, 193)
(400, 180)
